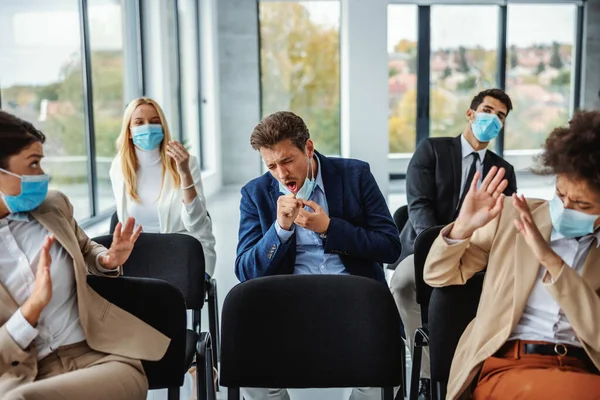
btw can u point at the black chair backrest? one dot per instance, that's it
(308, 331)
(423, 243)
(401, 217)
(160, 305)
(114, 220)
(172, 257)
(451, 309)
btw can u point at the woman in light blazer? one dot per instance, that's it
(156, 181)
(537, 330)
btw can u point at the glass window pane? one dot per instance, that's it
(464, 42)
(41, 82)
(106, 42)
(402, 78)
(300, 61)
(541, 41)
(189, 47)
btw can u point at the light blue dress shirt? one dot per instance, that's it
(310, 253)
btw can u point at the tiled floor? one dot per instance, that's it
(224, 209)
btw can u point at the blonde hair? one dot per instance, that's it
(126, 149)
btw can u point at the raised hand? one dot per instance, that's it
(480, 205)
(532, 235)
(42, 288)
(288, 208)
(176, 151)
(316, 220)
(123, 240)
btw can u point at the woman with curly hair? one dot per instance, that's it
(537, 330)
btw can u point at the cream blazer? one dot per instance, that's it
(106, 327)
(172, 215)
(512, 270)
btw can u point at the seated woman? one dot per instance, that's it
(156, 181)
(537, 330)
(58, 338)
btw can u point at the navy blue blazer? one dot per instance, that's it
(362, 231)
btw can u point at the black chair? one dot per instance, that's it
(210, 290)
(161, 305)
(451, 309)
(308, 331)
(423, 243)
(401, 217)
(179, 260)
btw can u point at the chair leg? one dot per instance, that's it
(173, 393)
(416, 367)
(233, 393)
(387, 393)
(213, 318)
(205, 387)
(404, 379)
(439, 391)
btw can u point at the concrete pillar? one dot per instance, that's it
(364, 91)
(239, 79)
(590, 80)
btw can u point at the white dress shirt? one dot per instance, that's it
(149, 173)
(467, 160)
(21, 239)
(543, 319)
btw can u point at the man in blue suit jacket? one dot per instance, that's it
(310, 213)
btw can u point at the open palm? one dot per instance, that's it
(482, 204)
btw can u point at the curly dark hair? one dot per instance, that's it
(574, 150)
(15, 135)
(277, 127)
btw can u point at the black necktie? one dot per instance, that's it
(469, 180)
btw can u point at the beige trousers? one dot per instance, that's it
(404, 290)
(78, 372)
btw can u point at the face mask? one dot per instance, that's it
(147, 137)
(570, 223)
(34, 189)
(309, 184)
(486, 126)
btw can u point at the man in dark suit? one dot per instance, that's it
(311, 214)
(438, 173)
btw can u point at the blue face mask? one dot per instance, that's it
(147, 137)
(309, 184)
(486, 126)
(570, 223)
(34, 189)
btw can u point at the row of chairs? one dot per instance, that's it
(445, 314)
(163, 277)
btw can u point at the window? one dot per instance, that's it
(300, 61)
(106, 46)
(42, 79)
(189, 71)
(541, 42)
(402, 77)
(464, 42)
(41, 82)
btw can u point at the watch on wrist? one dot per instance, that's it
(323, 235)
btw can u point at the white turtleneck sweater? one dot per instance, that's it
(149, 180)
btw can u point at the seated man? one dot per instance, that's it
(58, 338)
(536, 333)
(437, 179)
(310, 215)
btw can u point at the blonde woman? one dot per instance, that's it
(156, 181)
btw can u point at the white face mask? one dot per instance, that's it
(309, 183)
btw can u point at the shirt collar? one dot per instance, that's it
(467, 149)
(556, 236)
(319, 178)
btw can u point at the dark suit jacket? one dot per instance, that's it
(361, 231)
(433, 183)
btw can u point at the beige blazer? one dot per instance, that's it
(107, 328)
(512, 270)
